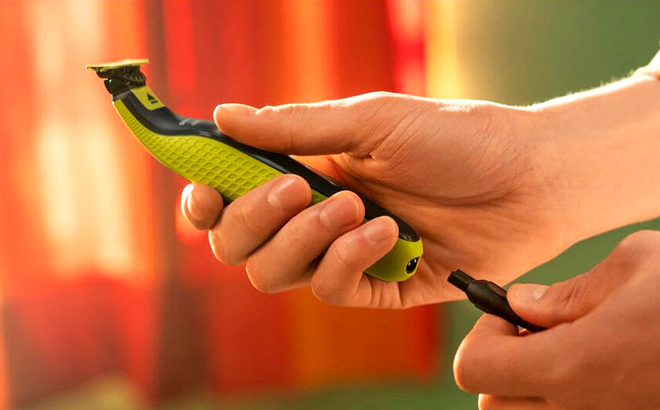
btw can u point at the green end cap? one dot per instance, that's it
(400, 263)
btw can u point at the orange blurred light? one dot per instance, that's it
(83, 175)
(442, 73)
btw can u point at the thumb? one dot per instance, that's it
(566, 301)
(354, 125)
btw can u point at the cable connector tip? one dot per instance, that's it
(460, 279)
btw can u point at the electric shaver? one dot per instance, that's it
(198, 151)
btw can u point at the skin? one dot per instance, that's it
(460, 172)
(601, 351)
(493, 190)
(489, 187)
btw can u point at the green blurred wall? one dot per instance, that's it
(519, 52)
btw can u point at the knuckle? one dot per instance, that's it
(487, 119)
(243, 217)
(640, 240)
(301, 228)
(371, 104)
(268, 110)
(568, 295)
(379, 96)
(375, 116)
(637, 248)
(294, 110)
(291, 118)
(342, 254)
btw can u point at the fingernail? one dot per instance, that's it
(378, 230)
(285, 194)
(193, 209)
(184, 198)
(235, 109)
(528, 292)
(340, 211)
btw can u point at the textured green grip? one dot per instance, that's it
(204, 160)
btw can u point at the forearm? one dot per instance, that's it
(604, 149)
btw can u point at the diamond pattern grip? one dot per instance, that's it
(204, 160)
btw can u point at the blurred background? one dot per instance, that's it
(110, 301)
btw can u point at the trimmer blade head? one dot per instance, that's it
(135, 62)
(122, 75)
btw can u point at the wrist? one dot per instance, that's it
(601, 147)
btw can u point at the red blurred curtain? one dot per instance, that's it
(77, 246)
(100, 274)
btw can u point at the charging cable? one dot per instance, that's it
(490, 298)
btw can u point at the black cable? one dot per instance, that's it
(490, 298)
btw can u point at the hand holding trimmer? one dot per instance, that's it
(198, 151)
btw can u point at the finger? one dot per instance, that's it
(339, 278)
(572, 299)
(494, 359)
(354, 124)
(284, 261)
(253, 218)
(201, 205)
(489, 402)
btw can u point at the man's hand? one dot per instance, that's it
(492, 189)
(460, 172)
(601, 351)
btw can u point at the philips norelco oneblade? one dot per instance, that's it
(198, 151)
